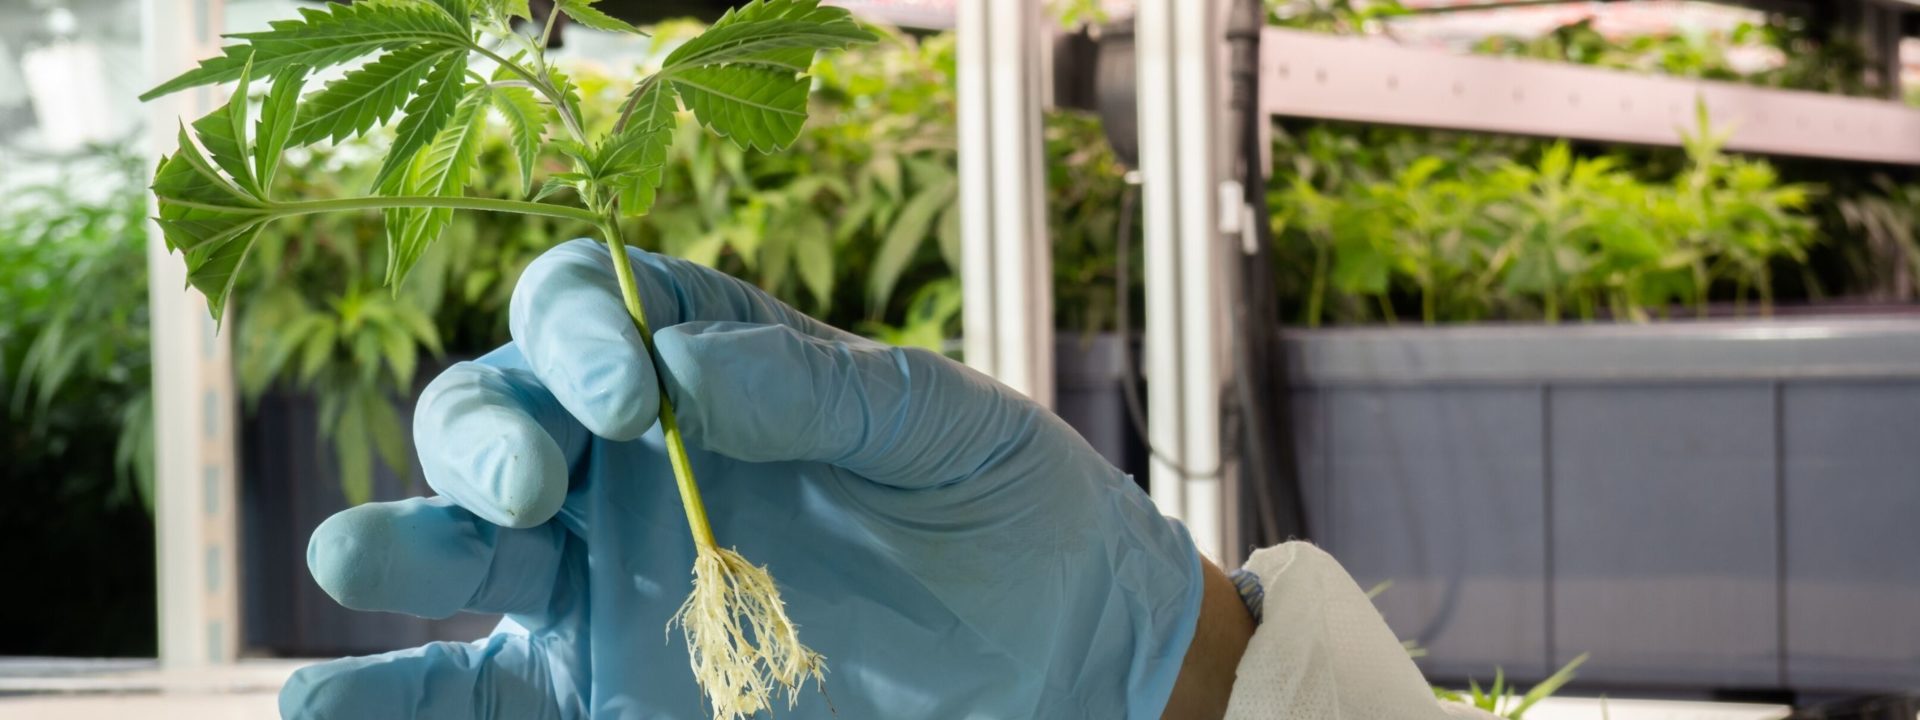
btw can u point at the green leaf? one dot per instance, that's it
(204, 216)
(758, 108)
(351, 451)
(442, 170)
(648, 127)
(323, 38)
(316, 351)
(1547, 688)
(583, 12)
(563, 83)
(742, 78)
(427, 113)
(559, 181)
(649, 109)
(277, 117)
(460, 10)
(213, 269)
(389, 435)
(398, 349)
(767, 31)
(365, 97)
(527, 119)
(518, 8)
(949, 237)
(909, 231)
(813, 258)
(224, 133)
(188, 178)
(776, 254)
(636, 189)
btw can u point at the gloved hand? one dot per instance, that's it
(952, 549)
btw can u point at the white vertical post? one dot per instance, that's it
(193, 391)
(1007, 268)
(1183, 120)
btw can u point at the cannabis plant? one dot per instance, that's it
(440, 66)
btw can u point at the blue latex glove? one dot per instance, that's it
(954, 550)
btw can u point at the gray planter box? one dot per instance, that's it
(1089, 394)
(1721, 505)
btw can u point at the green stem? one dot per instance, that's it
(1429, 304)
(1316, 295)
(308, 207)
(546, 88)
(546, 33)
(669, 424)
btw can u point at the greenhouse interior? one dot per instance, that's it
(1253, 359)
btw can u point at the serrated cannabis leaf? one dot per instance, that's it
(742, 78)
(323, 38)
(364, 97)
(761, 30)
(442, 170)
(649, 129)
(583, 12)
(559, 181)
(224, 133)
(426, 113)
(213, 269)
(207, 218)
(759, 109)
(527, 119)
(277, 116)
(563, 85)
(460, 10)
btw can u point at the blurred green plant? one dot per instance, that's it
(74, 337)
(1802, 57)
(1563, 235)
(1889, 261)
(1085, 182)
(1744, 226)
(1500, 698)
(1338, 16)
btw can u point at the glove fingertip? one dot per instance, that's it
(568, 318)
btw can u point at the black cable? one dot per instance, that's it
(1257, 367)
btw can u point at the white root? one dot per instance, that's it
(741, 644)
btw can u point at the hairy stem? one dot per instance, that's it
(669, 425)
(308, 207)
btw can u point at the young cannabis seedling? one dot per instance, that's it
(744, 78)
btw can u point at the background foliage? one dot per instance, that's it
(75, 410)
(1376, 224)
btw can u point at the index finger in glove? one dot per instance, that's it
(497, 442)
(568, 318)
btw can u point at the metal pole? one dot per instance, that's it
(1006, 274)
(193, 391)
(1183, 124)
